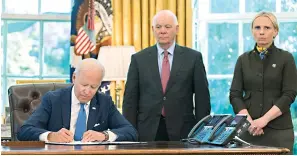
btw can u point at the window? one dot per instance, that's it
(222, 32)
(35, 39)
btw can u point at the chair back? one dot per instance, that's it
(24, 99)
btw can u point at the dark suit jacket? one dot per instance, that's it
(55, 110)
(268, 82)
(144, 98)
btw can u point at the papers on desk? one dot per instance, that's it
(95, 143)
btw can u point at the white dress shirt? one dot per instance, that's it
(161, 56)
(75, 107)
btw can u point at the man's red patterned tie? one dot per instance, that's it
(165, 73)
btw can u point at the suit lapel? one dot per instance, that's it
(153, 59)
(176, 64)
(66, 107)
(93, 113)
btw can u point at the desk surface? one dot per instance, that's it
(140, 149)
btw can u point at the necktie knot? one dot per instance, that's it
(165, 56)
(82, 106)
(165, 53)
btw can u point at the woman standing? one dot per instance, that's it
(264, 86)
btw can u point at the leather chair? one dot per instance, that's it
(24, 99)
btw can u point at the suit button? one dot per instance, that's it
(260, 90)
(164, 98)
(261, 105)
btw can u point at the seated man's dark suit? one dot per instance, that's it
(55, 110)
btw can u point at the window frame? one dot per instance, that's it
(203, 16)
(41, 18)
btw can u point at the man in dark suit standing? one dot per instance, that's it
(162, 79)
(78, 112)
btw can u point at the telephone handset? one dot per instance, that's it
(218, 129)
(199, 126)
(226, 130)
(202, 130)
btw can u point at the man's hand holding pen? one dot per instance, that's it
(63, 135)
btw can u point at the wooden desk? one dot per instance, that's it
(139, 149)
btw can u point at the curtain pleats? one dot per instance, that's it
(132, 21)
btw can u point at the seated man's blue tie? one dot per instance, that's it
(80, 126)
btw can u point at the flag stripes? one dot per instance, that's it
(83, 44)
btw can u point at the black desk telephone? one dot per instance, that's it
(218, 129)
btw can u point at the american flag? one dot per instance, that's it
(83, 38)
(86, 40)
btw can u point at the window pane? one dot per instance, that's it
(2, 95)
(63, 6)
(289, 6)
(21, 6)
(288, 37)
(248, 39)
(294, 118)
(225, 6)
(294, 115)
(195, 34)
(23, 48)
(219, 96)
(1, 68)
(222, 47)
(3, 31)
(56, 44)
(260, 5)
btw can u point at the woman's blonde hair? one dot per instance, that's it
(270, 16)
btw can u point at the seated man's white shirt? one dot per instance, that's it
(75, 107)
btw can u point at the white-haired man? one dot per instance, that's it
(162, 79)
(78, 112)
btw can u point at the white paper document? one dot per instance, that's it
(95, 143)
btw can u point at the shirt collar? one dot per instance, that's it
(170, 49)
(74, 99)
